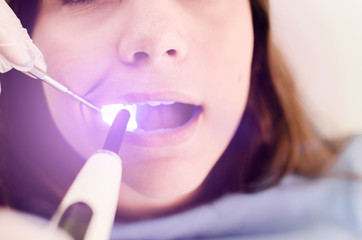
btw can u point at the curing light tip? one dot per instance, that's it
(109, 112)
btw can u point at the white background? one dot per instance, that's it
(322, 42)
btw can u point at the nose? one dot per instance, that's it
(151, 35)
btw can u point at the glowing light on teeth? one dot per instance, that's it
(109, 113)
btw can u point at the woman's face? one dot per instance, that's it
(193, 57)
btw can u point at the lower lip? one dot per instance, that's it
(165, 138)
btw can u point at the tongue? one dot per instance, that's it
(163, 116)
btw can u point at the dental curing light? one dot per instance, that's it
(88, 209)
(109, 112)
(39, 74)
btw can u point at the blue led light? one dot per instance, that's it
(109, 112)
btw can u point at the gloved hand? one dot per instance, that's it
(16, 225)
(17, 50)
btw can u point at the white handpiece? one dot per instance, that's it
(97, 187)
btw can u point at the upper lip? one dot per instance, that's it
(144, 97)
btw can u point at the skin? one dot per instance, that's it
(112, 51)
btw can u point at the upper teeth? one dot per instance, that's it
(157, 103)
(109, 112)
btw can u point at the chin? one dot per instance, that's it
(165, 182)
(138, 202)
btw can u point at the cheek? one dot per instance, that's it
(75, 62)
(230, 81)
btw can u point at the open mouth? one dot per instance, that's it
(153, 115)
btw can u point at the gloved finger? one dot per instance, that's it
(39, 58)
(13, 48)
(15, 56)
(16, 47)
(17, 225)
(4, 64)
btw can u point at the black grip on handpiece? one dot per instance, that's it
(116, 133)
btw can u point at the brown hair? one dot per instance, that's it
(274, 137)
(293, 143)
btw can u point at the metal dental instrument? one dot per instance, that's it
(39, 74)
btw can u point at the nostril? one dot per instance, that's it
(171, 52)
(140, 56)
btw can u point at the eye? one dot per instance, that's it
(76, 2)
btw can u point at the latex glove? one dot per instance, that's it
(16, 225)
(17, 50)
